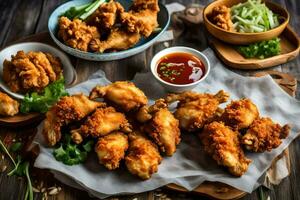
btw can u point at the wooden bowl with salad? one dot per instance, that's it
(244, 22)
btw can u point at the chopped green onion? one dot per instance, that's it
(262, 49)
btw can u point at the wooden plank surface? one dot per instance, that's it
(22, 18)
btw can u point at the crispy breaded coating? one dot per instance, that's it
(194, 110)
(264, 135)
(222, 143)
(76, 33)
(240, 114)
(102, 122)
(111, 149)
(68, 109)
(122, 94)
(143, 156)
(8, 106)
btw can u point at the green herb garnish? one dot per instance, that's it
(262, 49)
(70, 153)
(21, 168)
(82, 12)
(35, 102)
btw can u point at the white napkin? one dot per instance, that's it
(190, 166)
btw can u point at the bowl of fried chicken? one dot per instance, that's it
(104, 30)
(32, 66)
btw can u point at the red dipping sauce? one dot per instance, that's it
(180, 68)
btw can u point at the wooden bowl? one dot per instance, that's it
(244, 38)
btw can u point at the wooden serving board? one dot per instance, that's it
(222, 191)
(290, 46)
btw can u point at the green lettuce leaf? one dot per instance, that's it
(35, 102)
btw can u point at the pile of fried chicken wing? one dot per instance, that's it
(110, 27)
(126, 128)
(123, 125)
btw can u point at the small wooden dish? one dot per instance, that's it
(244, 38)
(290, 46)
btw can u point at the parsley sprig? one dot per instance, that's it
(70, 153)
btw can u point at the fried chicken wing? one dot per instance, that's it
(8, 106)
(142, 17)
(66, 110)
(111, 149)
(106, 15)
(264, 135)
(122, 94)
(240, 114)
(194, 110)
(161, 126)
(143, 156)
(76, 33)
(222, 143)
(102, 122)
(118, 39)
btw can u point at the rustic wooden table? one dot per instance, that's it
(21, 18)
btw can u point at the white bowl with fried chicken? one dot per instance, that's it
(6, 54)
(180, 68)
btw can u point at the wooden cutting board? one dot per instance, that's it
(290, 46)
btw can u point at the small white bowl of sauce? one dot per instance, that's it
(179, 69)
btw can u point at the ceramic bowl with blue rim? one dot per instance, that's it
(163, 21)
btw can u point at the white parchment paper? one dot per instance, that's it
(190, 166)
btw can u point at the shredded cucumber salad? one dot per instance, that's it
(253, 16)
